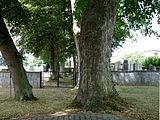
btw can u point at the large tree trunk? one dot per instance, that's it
(96, 84)
(22, 88)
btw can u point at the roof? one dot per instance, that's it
(152, 51)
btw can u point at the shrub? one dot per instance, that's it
(154, 60)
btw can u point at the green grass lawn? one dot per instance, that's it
(145, 98)
(51, 100)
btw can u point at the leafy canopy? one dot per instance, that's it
(131, 14)
(50, 26)
(43, 17)
(14, 13)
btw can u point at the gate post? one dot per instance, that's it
(58, 80)
(40, 79)
(10, 86)
(75, 78)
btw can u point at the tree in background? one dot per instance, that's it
(49, 34)
(96, 90)
(15, 15)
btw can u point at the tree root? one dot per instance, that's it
(97, 104)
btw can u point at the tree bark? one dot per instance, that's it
(54, 65)
(76, 35)
(52, 59)
(52, 56)
(76, 39)
(96, 84)
(22, 88)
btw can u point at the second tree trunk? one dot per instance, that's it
(22, 88)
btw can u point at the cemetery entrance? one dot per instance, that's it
(59, 79)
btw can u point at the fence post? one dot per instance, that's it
(41, 79)
(10, 85)
(58, 80)
(75, 79)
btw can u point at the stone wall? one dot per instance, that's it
(4, 79)
(120, 78)
(137, 78)
(33, 77)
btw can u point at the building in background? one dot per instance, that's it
(146, 53)
(149, 53)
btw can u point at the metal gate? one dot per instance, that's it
(59, 79)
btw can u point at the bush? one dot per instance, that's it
(154, 60)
